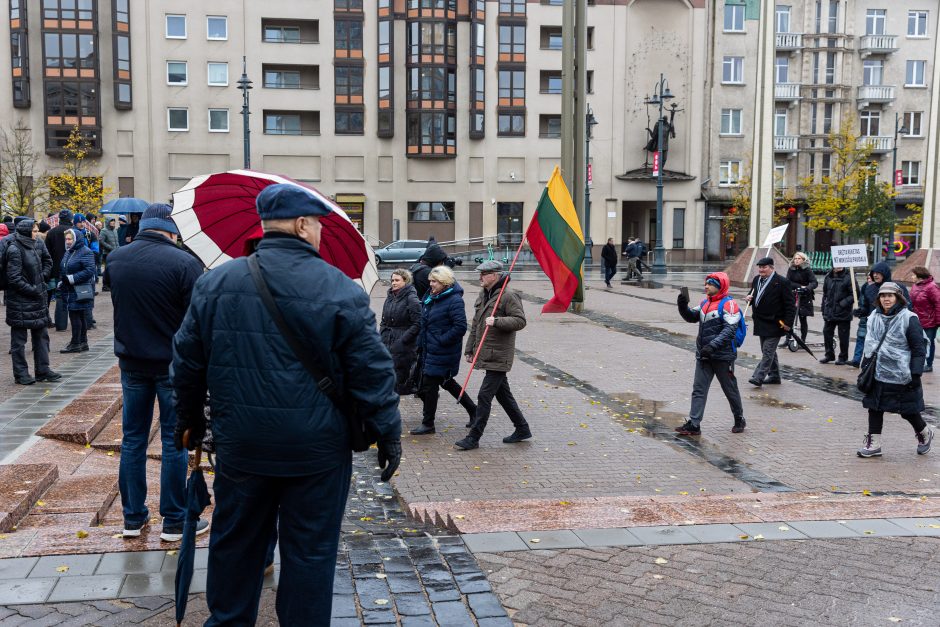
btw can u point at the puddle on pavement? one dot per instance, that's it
(770, 401)
(553, 381)
(639, 409)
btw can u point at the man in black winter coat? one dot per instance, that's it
(28, 267)
(837, 314)
(432, 257)
(609, 255)
(55, 242)
(151, 282)
(774, 308)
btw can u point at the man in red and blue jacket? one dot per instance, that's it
(715, 351)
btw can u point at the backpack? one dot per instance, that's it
(740, 334)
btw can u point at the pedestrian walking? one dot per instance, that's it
(282, 446)
(609, 256)
(718, 317)
(76, 288)
(28, 265)
(128, 230)
(896, 340)
(803, 280)
(108, 240)
(151, 281)
(443, 325)
(641, 250)
(773, 310)
(837, 302)
(433, 256)
(401, 324)
(55, 243)
(879, 274)
(925, 297)
(497, 353)
(631, 251)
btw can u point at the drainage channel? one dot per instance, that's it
(655, 429)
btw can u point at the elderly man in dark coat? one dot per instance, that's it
(282, 446)
(774, 307)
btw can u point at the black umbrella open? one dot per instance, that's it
(197, 498)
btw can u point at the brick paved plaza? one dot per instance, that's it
(603, 517)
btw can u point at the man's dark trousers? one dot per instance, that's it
(829, 328)
(769, 367)
(40, 338)
(609, 272)
(705, 371)
(61, 315)
(310, 508)
(496, 384)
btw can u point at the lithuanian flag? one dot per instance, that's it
(557, 242)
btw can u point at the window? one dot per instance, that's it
(511, 124)
(176, 73)
(176, 27)
(282, 34)
(348, 5)
(678, 227)
(729, 173)
(217, 27)
(478, 42)
(913, 123)
(282, 79)
(432, 38)
(69, 50)
(550, 126)
(916, 23)
(783, 19)
(731, 121)
(177, 119)
(872, 72)
(780, 174)
(217, 73)
(875, 22)
(348, 83)
(780, 122)
(512, 7)
(349, 122)
(348, 36)
(282, 124)
(431, 133)
(732, 70)
(734, 18)
(431, 211)
(871, 122)
(218, 120)
(550, 38)
(65, 10)
(121, 11)
(551, 82)
(432, 83)
(910, 173)
(385, 82)
(512, 87)
(826, 170)
(123, 53)
(512, 42)
(385, 37)
(915, 74)
(782, 69)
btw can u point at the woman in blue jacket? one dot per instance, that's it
(440, 344)
(77, 269)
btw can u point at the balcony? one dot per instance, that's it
(879, 145)
(789, 42)
(877, 44)
(787, 92)
(870, 94)
(786, 144)
(285, 76)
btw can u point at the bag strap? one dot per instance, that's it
(323, 380)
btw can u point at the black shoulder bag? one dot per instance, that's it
(866, 374)
(359, 437)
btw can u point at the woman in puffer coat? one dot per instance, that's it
(900, 362)
(401, 323)
(77, 268)
(804, 282)
(925, 296)
(443, 325)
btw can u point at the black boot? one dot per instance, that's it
(467, 443)
(71, 347)
(518, 436)
(424, 429)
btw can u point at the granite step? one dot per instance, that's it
(80, 494)
(109, 439)
(84, 418)
(21, 485)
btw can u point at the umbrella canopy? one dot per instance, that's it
(125, 205)
(217, 219)
(197, 498)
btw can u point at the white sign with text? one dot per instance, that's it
(776, 234)
(849, 256)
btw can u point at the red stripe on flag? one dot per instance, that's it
(564, 282)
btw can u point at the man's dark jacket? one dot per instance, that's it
(716, 328)
(55, 242)
(869, 298)
(268, 416)
(151, 282)
(28, 266)
(776, 304)
(499, 349)
(837, 296)
(609, 255)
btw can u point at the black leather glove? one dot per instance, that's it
(915, 382)
(197, 431)
(64, 279)
(706, 351)
(389, 457)
(682, 300)
(859, 313)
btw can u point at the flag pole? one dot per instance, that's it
(486, 328)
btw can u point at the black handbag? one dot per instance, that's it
(412, 384)
(84, 292)
(866, 371)
(360, 438)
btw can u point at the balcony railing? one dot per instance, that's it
(787, 91)
(868, 94)
(879, 145)
(789, 41)
(877, 44)
(786, 143)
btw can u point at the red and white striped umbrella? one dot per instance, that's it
(218, 221)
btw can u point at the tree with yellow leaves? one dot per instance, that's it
(738, 219)
(78, 187)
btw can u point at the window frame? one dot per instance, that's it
(737, 14)
(169, 123)
(448, 209)
(512, 115)
(185, 81)
(910, 72)
(348, 113)
(909, 168)
(209, 65)
(729, 166)
(875, 20)
(735, 63)
(908, 123)
(779, 11)
(166, 26)
(866, 117)
(913, 19)
(224, 19)
(873, 65)
(228, 121)
(729, 114)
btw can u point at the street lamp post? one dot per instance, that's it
(244, 85)
(898, 129)
(661, 94)
(590, 123)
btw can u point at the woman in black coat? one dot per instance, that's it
(401, 323)
(77, 269)
(28, 267)
(804, 282)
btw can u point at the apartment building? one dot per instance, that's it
(419, 116)
(869, 61)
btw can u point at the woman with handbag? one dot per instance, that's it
(77, 288)
(891, 367)
(401, 323)
(443, 325)
(804, 282)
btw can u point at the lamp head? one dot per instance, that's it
(667, 94)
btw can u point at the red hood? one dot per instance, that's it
(725, 284)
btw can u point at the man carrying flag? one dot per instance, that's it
(496, 354)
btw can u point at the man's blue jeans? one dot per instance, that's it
(860, 340)
(140, 390)
(308, 511)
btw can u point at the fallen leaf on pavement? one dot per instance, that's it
(381, 601)
(866, 492)
(81, 533)
(62, 569)
(661, 560)
(534, 540)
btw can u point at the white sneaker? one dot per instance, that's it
(924, 438)
(133, 531)
(871, 445)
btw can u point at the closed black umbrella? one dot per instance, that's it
(197, 498)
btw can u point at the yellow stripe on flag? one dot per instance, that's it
(561, 199)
